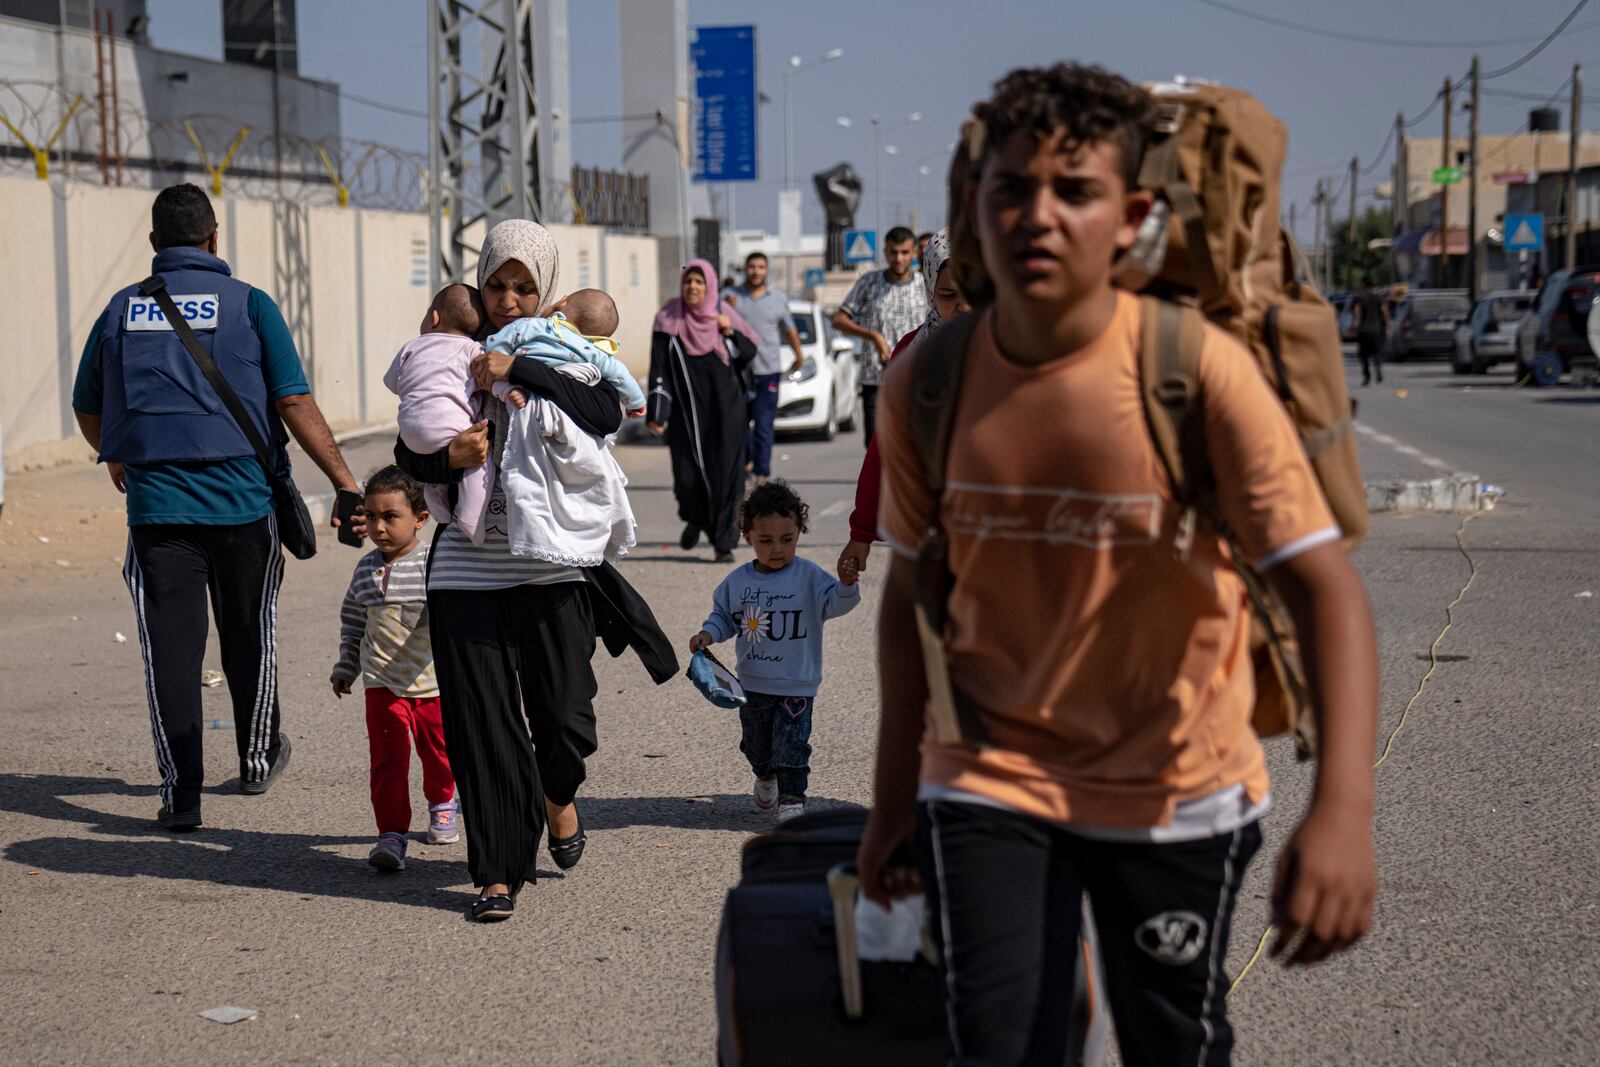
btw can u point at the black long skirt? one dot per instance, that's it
(706, 435)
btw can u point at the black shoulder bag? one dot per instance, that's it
(295, 528)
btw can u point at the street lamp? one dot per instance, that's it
(923, 170)
(796, 66)
(878, 152)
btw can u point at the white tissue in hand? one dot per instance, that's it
(892, 936)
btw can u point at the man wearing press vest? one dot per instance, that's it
(201, 522)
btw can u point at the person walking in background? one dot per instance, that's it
(945, 302)
(1095, 650)
(883, 306)
(1372, 326)
(776, 605)
(200, 510)
(767, 311)
(698, 350)
(384, 640)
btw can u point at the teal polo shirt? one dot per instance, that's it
(227, 492)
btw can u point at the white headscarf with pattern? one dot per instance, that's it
(933, 261)
(529, 244)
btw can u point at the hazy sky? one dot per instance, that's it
(1339, 98)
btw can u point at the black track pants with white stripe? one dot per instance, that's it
(1006, 891)
(172, 572)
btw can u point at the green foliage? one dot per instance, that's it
(1352, 261)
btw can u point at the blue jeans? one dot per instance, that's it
(777, 739)
(763, 410)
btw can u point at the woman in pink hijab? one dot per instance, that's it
(698, 353)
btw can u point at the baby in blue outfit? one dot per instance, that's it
(578, 330)
(776, 605)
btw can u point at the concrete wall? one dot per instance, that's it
(632, 278)
(352, 284)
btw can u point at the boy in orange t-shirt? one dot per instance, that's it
(1110, 671)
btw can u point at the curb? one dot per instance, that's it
(320, 506)
(1457, 492)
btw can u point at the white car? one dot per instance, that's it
(820, 398)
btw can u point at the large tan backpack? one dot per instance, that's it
(1215, 162)
(1212, 247)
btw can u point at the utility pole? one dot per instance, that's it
(1572, 166)
(1402, 176)
(1472, 191)
(1350, 237)
(1317, 241)
(1444, 192)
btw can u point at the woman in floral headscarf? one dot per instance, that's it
(698, 352)
(945, 301)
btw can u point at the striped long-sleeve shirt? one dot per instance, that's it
(383, 625)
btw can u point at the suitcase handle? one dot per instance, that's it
(843, 883)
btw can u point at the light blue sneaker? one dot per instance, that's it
(442, 828)
(389, 854)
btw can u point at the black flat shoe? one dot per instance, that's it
(497, 908)
(567, 851)
(690, 537)
(179, 822)
(723, 557)
(279, 765)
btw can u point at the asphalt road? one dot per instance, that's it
(114, 936)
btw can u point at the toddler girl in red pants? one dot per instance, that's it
(383, 636)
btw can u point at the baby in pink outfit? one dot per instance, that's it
(439, 399)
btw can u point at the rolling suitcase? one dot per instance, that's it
(790, 989)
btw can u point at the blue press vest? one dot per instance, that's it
(158, 406)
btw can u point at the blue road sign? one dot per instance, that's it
(1524, 233)
(860, 246)
(815, 277)
(725, 140)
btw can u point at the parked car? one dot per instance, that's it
(1424, 321)
(1490, 335)
(820, 397)
(1559, 330)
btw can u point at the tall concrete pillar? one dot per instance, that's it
(552, 82)
(654, 38)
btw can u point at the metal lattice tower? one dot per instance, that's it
(483, 163)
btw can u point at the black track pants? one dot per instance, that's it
(1005, 891)
(172, 572)
(516, 692)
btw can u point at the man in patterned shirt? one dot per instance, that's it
(883, 306)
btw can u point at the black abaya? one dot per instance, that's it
(702, 401)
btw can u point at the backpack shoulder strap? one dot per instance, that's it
(935, 395)
(1171, 337)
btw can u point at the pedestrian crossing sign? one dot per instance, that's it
(1524, 233)
(860, 246)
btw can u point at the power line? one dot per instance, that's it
(1542, 45)
(379, 104)
(1377, 160)
(1512, 136)
(1517, 94)
(1391, 42)
(1426, 112)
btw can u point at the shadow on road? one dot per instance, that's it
(290, 863)
(721, 811)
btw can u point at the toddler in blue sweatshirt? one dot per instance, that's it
(776, 605)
